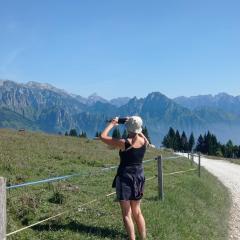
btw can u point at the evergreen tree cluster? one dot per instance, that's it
(145, 133)
(178, 142)
(206, 144)
(98, 134)
(73, 133)
(83, 134)
(117, 133)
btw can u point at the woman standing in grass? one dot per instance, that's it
(129, 181)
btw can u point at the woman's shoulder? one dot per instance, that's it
(139, 142)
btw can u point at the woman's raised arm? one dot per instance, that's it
(118, 143)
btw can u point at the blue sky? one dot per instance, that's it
(123, 48)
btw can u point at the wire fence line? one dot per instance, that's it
(174, 157)
(67, 211)
(54, 179)
(159, 176)
(179, 172)
(84, 204)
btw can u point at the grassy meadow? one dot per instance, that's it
(194, 208)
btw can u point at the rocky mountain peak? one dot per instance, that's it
(44, 86)
(93, 98)
(39, 85)
(224, 97)
(155, 96)
(118, 102)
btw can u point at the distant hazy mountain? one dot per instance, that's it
(221, 101)
(91, 99)
(221, 113)
(43, 107)
(118, 102)
(94, 98)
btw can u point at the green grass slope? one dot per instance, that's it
(194, 208)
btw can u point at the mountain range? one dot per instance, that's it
(43, 107)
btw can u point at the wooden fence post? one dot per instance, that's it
(199, 164)
(192, 158)
(3, 217)
(160, 178)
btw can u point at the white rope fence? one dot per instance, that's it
(59, 214)
(160, 187)
(179, 172)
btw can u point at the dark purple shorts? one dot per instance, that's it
(130, 183)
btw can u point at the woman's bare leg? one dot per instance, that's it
(139, 219)
(127, 218)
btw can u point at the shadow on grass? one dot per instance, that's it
(81, 228)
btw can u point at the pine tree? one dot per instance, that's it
(213, 145)
(238, 155)
(229, 149)
(184, 142)
(204, 144)
(145, 133)
(116, 133)
(73, 133)
(207, 142)
(235, 151)
(66, 133)
(83, 135)
(165, 142)
(210, 144)
(200, 144)
(169, 139)
(223, 150)
(98, 134)
(177, 142)
(125, 134)
(191, 142)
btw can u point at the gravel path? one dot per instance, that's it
(229, 175)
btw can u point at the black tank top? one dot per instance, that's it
(131, 156)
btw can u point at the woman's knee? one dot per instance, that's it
(136, 210)
(126, 209)
(127, 216)
(136, 213)
(127, 213)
